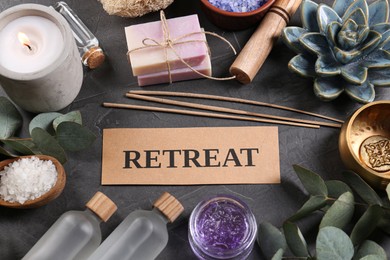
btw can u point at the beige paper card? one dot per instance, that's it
(188, 156)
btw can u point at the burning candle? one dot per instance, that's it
(40, 68)
(29, 44)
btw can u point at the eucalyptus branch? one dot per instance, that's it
(338, 215)
(51, 133)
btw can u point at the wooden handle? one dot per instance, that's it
(257, 49)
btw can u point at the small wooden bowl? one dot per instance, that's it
(234, 20)
(53, 193)
(364, 143)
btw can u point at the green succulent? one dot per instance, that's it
(345, 48)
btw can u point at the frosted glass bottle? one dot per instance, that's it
(142, 234)
(76, 234)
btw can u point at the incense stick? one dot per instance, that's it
(230, 99)
(204, 114)
(228, 110)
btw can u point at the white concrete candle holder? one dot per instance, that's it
(43, 86)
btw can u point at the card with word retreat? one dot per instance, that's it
(190, 156)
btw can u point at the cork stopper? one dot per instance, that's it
(169, 206)
(102, 206)
(94, 57)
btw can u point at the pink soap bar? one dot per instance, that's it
(176, 74)
(153, 59)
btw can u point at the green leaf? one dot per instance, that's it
(7, 153)
(47, 144)
(314, 203)
(295, 240)
(270, 240)
(10, 118)
(312, 182)
(366, 224)
(388, 190)
(74, 116)
(333, 244)
(44, 121)
(74, 137)
(336, 188)
(23, 146)
(372, 257)
(340, 213)
(362, 188)
(278, 255)
(370, 248)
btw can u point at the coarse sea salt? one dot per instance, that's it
(27, 179)
(238, 5)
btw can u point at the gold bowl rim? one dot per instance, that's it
(384, 175)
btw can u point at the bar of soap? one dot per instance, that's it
(176, 74)
(153, 59)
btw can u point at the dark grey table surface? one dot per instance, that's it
(314, 149)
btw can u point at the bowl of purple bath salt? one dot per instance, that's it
(235, 15)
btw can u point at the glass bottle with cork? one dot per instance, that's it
(143, 234)
(91, 54)
(76, 234)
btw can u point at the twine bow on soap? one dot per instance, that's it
(169, 43)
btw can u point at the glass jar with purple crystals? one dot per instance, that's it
(222, 227)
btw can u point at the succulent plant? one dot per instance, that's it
(345, 48)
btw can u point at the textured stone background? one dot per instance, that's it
(314, 149)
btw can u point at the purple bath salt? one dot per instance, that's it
(238, 5)
(222, 227)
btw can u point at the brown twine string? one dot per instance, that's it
(169, 43)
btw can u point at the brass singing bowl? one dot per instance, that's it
(53, 193)
(364, 143)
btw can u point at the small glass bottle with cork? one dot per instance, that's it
(91, 54)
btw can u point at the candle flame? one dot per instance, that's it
(24, 40)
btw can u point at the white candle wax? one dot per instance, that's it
(46, 43)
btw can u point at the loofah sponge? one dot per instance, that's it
(133, 8)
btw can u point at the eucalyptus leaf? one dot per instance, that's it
(44, 121)
(336, 188)
(372, 257)
(10, 118)
(370, 248)
(362, 188)
(7, 153)
(312, 204)
(74, 116)
(47, 144)
(278, 255)
(295, 240)
(270, 240)
(333, 244)
(366, 224)
(312, 182)
(23, 146)
(74, 137)
(340, 213)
